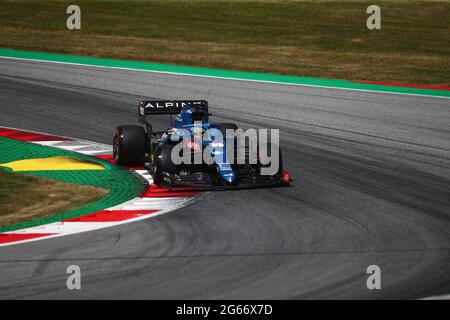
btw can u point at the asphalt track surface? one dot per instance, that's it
(371, 171)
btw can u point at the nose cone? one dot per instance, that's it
(226, 173)
(229, 177)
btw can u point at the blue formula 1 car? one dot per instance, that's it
(194, 152)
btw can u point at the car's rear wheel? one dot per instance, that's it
(163, 165)
(129, 146)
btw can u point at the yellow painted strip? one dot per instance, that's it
(53, 163)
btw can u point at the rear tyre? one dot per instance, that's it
(129, 146)
(163, 165)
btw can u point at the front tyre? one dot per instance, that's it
(163, 165)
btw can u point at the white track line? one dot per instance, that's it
(227, 78)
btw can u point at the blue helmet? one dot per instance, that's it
(190, 114)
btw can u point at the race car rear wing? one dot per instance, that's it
(171, 107)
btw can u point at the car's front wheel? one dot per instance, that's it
(163, 167)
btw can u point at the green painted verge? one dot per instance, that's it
(228, 74)
(122, 184)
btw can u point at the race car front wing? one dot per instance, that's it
(204, 181)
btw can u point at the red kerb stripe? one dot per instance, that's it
(14, 237)
(106, 157)
(156, 192)
(29, 136)
(111, 216)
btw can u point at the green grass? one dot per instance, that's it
(25, 197)
(119, 185)
(307, 38)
